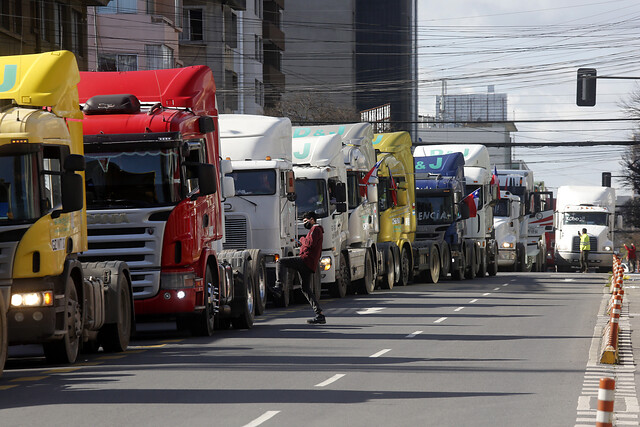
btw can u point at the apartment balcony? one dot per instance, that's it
(236, 4)
(273, 34)
(273, 76)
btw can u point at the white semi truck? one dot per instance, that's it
(261, 216)
(506, 222)
(330, 164)
(478, 174)
(589, 207)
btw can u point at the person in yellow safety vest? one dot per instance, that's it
(585, 247)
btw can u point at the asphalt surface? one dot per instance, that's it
(514, 349)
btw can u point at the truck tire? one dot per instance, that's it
(458, 273)
(203, 324)
(343, 279)
(492, 267)
(66, 349)
(470, 273)
(367, 284)
(433, 274)
(482, 271)
(445, 263)
(389, 278)
(245, 304)
(259, 270)
(115, 337)
(3, 333)
(405, 267)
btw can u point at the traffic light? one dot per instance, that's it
(606, 179)
(586, 93)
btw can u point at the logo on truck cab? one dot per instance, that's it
(9, 77)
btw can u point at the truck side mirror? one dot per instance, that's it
(464, 210)
(372, 193)
(72, 192)
(292, 197)
(206, 174)
(341, 207)
(341, 193)
(74, 163)
(228, 187)
(290, 186)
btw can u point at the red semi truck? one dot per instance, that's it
(154, 182)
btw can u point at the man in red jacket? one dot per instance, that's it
(307, 263)
(631, 257)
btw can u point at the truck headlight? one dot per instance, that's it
(32, 299)
(325, 263)
(607, 248)
(180, 280)
(507, 245)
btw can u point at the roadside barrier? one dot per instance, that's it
(606, 397)
(609, 344)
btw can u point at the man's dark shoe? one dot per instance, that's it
(318, 320)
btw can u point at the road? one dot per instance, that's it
(501, 351)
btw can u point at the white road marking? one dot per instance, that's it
(371, 310)
(458, 309)
(485, 294)
(413, 334)
(334, 378)
(381, 352)
(262, 418)
(506, 284)
(496, 289)
(442, 319)
(473, 300)
(569, 280)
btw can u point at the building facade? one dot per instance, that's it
(35, 26)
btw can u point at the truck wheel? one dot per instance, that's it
(3, 333)
(389, 277)
(203, 324)
(433, 274)
(343, 279)
(115, 337)
(482, 271)
(445, 264)
(471, 268)
(245, 304)
(260, 280)
(405, 266)
(368, 282)
(66, 349)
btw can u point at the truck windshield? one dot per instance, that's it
(18, 200)
(503, 208)
(254, 182)
(133, 178)
(585, 218)
(312, 196)
(434, 209)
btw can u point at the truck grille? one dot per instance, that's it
(235, 232)
(575, 244)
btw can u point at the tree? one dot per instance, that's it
(309, 108)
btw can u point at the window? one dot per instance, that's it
(258, 8)
(258, 48)
(231, 89)
(77, 33)
(354, 189)
(158, 56)
(151, 7)
(193, 29)
(5, 15)
(51, 170)
(42, 24)
(231, 30)
(259, 92)
(58, 24)
(117, 62)
(120, 6)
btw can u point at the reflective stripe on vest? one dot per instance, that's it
(585, 244)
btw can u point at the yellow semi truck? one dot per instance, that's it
(51, 298)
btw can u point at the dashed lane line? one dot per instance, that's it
(442, 319)
(458, 309)
(473, 300)
(333, 379)
(381, 352)
(486, 294)
(413, 334)
(262, 418)
(23, 379)
(7, 387)
(371, 310)
(496, 289)
(506, 284)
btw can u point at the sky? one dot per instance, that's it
(531, 51)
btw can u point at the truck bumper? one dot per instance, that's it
(30, 325)
(506, 257)
(596, 259)
(168, 302)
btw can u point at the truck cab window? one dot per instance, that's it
(353, 189)
(51, 170)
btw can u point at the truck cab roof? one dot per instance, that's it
(251, 137)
